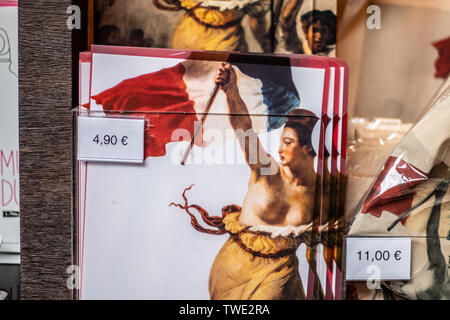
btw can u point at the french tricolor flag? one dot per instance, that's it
(175, 97)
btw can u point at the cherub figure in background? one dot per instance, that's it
(217, 24)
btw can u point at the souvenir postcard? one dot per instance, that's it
(84, 77)
(338, 175)
(329, 252)
(9, 130)
(227, 202)
(325, 248)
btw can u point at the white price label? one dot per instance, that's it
(110, 139)
(378, 258)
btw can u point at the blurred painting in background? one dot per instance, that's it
(305, 26)
(285, 26)
(185, 24)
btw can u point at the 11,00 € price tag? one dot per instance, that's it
(383, 258)
(110, 139)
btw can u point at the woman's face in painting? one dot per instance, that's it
(290, 149)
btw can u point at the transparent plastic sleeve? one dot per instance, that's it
(411, 198)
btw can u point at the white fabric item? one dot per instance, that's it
(282, 231)
(227, 4)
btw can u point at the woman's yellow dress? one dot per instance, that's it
(252, 266)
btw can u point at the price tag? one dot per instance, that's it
(378, 258)
(110, 139)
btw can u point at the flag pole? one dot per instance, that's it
(199, 124)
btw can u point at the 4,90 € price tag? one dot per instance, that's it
(383, 258)
(110, 139)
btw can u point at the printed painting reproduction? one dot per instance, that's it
(283, 26)
(228, 203)
(305, 26)
(222, 25)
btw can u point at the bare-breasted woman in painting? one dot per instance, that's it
(259, 259)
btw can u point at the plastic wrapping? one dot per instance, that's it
(370, 144)
(411, 198)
